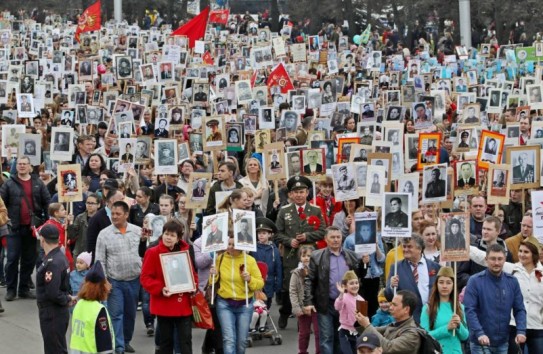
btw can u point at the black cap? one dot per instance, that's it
(298, 182)
(96, 273)
(265, 224)
(49, 232)
(212, 122)
(111, 183)
(368, 340)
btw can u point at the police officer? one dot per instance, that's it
(298, 223)
(91, 325)
(53, 292)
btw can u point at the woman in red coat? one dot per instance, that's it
(173, 311)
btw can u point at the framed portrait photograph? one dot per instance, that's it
(499, 183)
(262, 139)
(198, 191)
(314, 163)
(525, 166)
(490, 149)
(434, 183)
(143, 149)
(429, 149)
(63, 143)
(385, 160)
(274, 162)
(397, 215)
(293, 164)
(234, 137)
(455, 237)
(535, 98)
(127, 147)
(214, 133)
(466, 177)
(244, 230)
(408, 183)
(365, 231)
(361, 172)
(344, 149)
(178, 272)
(344, 182)
(215, 232)
(166, 156)
(471, 114)
(200, 92)
(69, 184)
(375, 185)
(123, 65)
(249, 123)
(30, 145)
(25, 105)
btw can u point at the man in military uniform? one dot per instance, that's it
(53, 292)
(215, 134)
(293, 231)
(396, 217)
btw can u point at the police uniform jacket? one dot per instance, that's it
(53, 280)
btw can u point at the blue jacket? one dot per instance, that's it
(376, 265)
(407, 282)
(488, 301)
(269, 254)
(76, 280)
(382, 318)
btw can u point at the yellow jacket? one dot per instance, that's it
(232, 285)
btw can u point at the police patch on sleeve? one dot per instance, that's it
(48, 276)
(102, 322)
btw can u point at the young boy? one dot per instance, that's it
(383, 316)
(267, 252)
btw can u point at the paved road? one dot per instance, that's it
(20, 332)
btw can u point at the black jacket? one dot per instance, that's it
(12, 194)
(317, 283)
(97, 223)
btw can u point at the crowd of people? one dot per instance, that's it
(116, 148)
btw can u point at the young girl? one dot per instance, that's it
(77, 276)
(60, 219)
(296, 293)
(346, 306)
(438, 316)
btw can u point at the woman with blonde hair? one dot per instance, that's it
(254, 180)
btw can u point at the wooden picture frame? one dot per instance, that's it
(429, 149)
(178, 272)
(490, 149)
(525, 166)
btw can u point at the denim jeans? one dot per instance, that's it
(328, 325)
(476, 348)
(148, 319)
(21, 248)
(235, 323)
(121, 304)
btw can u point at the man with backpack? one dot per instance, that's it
(401, 336)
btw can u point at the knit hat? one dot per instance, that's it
(446, 272)
(85, 257)
(381, 296)
(349, 275)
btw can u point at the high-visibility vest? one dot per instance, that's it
(83, 340)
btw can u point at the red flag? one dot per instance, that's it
(90, 20)
(195, 28)
(207, 58)
(279, 77)
(219, 16)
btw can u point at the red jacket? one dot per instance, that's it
(152, 280)
(62, 240)
(336, 207)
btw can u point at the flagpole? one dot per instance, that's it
(118, 10)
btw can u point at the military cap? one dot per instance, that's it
(49, 232)
(265, 224)
(368, 340)
(212, 122)
(298, 182)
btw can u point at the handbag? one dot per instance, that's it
(207, 290)
(201, 313)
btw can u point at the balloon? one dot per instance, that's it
(356, 39)
(101, 69)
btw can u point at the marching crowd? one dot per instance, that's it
(103, 232)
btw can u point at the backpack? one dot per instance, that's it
(428, 344)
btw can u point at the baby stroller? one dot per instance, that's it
(274, 337)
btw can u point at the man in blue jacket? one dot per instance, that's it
(490, 297)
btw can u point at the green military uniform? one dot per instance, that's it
(289, 224)
(217, 136)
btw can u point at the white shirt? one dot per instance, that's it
(424, 279)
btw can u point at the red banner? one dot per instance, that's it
(90, 20)
(279, 77)
(219, 16)
(195, 29)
